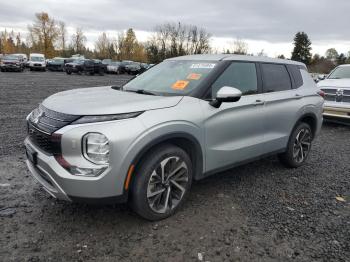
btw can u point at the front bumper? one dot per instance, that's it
(11, 67)
(60, 184)
(109, 186)
(337, 113)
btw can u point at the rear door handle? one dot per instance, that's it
(259, 102)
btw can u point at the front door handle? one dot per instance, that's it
(298, 96)
(259, 102)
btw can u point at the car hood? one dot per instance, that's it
(105, 100)
(335, 83)
(55, 63)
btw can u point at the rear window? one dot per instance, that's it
(295, 71)
(276, 78)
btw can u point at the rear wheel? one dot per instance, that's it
(299, 146)
(68, 72)
(161, 182)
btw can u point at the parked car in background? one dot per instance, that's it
(187, 118)
(56, 64)
(123, 64)
(133, 68)
(336, 87)
(24, 57)
(12, 63)
(99, 67)
(107, 61)
(87, 66)
(37, 62)
(113, 68)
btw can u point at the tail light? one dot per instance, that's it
(321, 93)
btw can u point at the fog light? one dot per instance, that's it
(96, 148)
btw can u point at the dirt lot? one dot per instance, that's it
(257, 212)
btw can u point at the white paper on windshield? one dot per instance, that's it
(203, 66)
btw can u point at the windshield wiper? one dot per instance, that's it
(141, 91)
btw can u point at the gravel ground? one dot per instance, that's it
(257, 212)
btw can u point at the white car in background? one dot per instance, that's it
(37, 62)
(336, 87)
(113, 68)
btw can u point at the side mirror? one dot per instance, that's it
(321, 77)
(226, 94)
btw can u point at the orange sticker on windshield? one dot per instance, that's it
(194, 76)
(180, 84)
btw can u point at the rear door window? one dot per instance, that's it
(275, 77)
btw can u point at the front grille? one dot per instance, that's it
(42, 123)
(43, 140)
(329, 94)
(49, 121)
(337, 95)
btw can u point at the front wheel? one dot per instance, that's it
(299, 146)
(161, 182)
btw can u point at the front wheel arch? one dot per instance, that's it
(183, 140)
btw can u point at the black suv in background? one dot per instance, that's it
(56, 64)
(12, 63)
(87, 66)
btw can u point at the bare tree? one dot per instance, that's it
(102, 46)
(175, 39)
(62, 32)
(240, 47)
(78, 41)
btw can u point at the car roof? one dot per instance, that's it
(231, 57)
(346, 65)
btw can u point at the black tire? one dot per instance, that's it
(31, 69)
(289, 157)
(2, 70)
(140, 201)
(68, 72)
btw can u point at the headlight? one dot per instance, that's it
(102, 118)
(96, 148)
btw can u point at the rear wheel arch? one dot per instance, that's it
(309, 119)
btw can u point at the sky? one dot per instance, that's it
(267, 25)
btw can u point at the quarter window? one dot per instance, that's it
(276, 78)
(239, 75)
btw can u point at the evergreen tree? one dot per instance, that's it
(302, 48)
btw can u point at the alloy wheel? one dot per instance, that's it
(167, 184)
(302, 145)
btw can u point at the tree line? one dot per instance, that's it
(49, 36)
(317, 63)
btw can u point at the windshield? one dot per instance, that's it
(340, 72)
(172, 77)
(11, 57)
(37, 58)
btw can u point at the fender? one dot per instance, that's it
(174, 137)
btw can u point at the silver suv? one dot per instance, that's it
(183, 120)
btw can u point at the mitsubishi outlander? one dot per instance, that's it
(182, 120)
